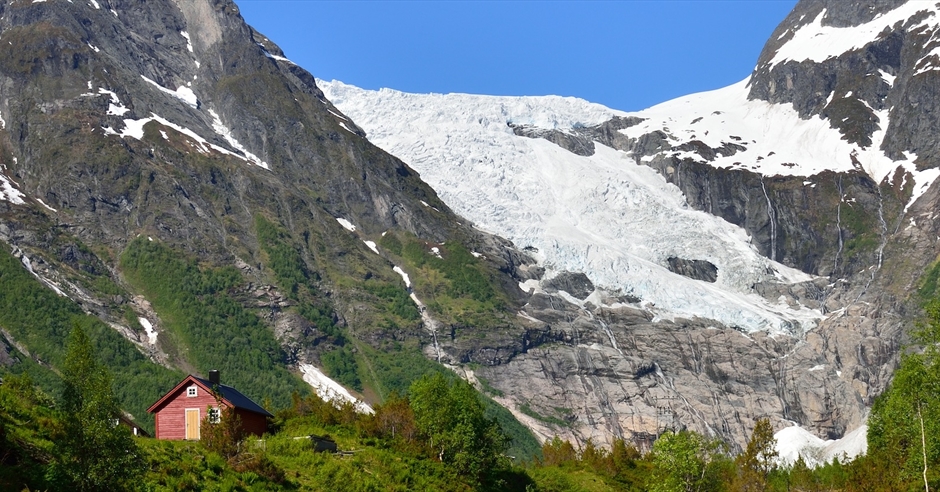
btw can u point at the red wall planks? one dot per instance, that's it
(171, 419)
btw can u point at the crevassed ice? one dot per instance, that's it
(603, 215)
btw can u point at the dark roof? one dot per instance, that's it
(235, 397)
(229, 395)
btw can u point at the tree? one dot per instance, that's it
(684, 462)
(394, 419)
(451, 417)
(558, 452)
(93, 452)
(629, 467)
(758, 459)
(221, 431)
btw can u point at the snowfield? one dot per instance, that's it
(330, 390)
(777, 141)
(815, 42)
(603, 215)
(9, 193)
(795, 441)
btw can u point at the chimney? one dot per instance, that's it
(214, 377)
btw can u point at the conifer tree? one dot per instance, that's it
(758, 459)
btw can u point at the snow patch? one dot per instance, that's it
(273, 56)
(777, 141)
(226, 133)
(148, 327)
(94, 4)
(183, 93)
(44, 205)
(429, 206)
(372, 246)
(9, 193)
(404, 276)
(330, 390)
(115, 108)
(816, 42)
(135, 129)
(189, 42)
(795, 441)
(346, 224)
(888, 78)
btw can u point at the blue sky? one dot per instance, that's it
(626, 54)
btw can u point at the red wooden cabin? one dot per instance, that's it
(179, 413)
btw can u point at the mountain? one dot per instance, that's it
(175, 184)
(755, 251)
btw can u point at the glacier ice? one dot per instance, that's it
(603, 215)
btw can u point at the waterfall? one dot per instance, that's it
(772, 215)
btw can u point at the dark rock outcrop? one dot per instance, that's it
(694, 269)
(580, 140)
(575, 283)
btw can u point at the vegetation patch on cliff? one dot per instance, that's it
(215, 331)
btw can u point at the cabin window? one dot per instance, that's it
(191, 392)
(214, 415)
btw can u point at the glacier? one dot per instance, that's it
(605, 215)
